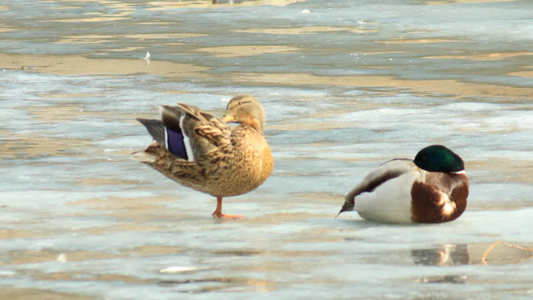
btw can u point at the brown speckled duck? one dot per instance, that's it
(201, 151)
(432, 188)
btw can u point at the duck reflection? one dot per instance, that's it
(445, 255)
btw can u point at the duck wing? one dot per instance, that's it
(387, 171)
(192, 131)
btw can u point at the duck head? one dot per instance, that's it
(437, 158)
(246, 110)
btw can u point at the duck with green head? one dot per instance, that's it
(201, 151)
(432, 188)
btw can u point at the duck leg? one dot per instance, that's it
(218, 212)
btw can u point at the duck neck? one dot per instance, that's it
(252, 122)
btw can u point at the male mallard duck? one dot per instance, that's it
(431, 189)
(202, 152)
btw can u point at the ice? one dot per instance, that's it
(346, 87)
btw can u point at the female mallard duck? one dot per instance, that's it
(202, 152)
(431, 189)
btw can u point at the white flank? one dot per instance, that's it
(390, 202)
(186, 141)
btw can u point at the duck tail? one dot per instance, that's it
(346, 207)
(155, 128)
(148, 156)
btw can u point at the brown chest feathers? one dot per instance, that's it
(441, 198)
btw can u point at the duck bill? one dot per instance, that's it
(227, 118)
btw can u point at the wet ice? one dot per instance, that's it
(68, 186)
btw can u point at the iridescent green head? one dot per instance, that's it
(437, 158)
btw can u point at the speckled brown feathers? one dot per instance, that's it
(226, 161)
(205, 131)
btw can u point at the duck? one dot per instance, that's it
(203, 152)
(432, 188)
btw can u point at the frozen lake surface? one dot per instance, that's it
(346, 85)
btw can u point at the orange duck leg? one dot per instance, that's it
(218, 212)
